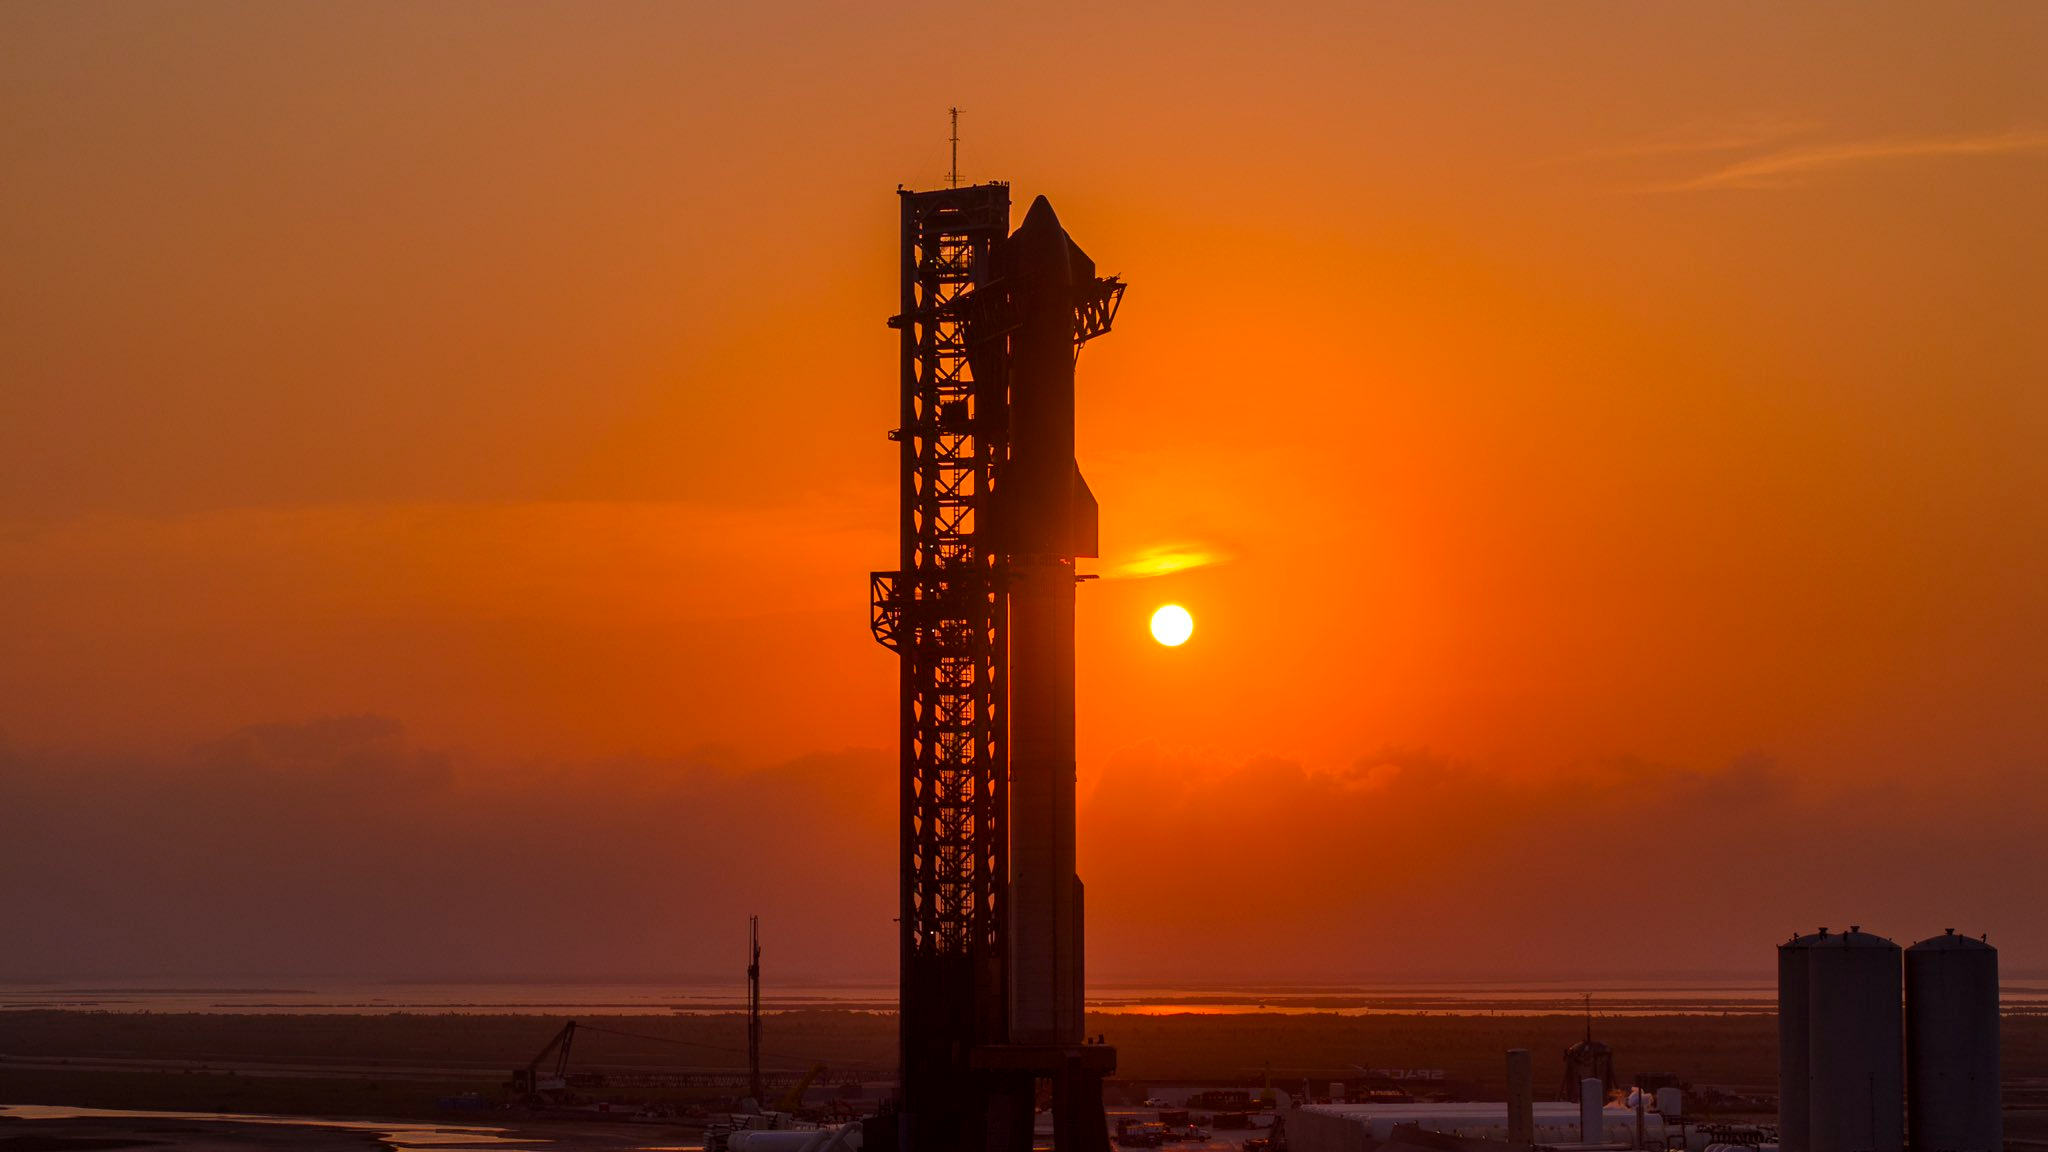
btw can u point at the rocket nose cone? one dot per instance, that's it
(1040, 241)
(1040, 215)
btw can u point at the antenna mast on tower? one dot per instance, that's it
(953, 174)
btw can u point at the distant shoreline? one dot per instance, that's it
(306, 996)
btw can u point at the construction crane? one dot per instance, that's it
(546, 1079)
(794, 1098)
(530, 1084)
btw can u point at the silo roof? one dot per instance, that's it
(1855, 937)
(1950, 942)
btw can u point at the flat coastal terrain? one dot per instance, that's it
(405, 1070)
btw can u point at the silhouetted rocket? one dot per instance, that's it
(1044, 518)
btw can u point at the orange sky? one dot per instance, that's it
(1576, 408)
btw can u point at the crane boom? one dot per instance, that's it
(528, 1081)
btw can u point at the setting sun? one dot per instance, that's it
(1172, 625)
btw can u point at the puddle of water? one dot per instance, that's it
(443, 1137)
(401, 1137)
(418, 1139)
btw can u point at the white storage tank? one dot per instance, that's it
(1792, 1041)
(1952, 1095)
(1855, 1055)
(1592, 1111)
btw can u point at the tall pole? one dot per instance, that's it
(953, 173)
(754, 1008)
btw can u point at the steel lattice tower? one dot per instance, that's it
(942, 611)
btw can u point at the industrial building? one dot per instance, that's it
(1880, 1050)
(1589, 1119)
(1363, 1127)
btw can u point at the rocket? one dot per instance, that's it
(1044, 518)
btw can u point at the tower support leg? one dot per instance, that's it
(1079, 1123)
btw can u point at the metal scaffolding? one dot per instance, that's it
(942, 611)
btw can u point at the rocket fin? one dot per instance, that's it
(1084, 518)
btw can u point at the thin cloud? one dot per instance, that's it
(1165, 560)
(1788, 168)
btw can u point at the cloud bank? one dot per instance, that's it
(339, 847)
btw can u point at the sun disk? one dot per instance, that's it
(1172, 625)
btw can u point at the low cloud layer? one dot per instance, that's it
(338, 846)
(1408, 865)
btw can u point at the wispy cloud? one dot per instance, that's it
(1789, 167)
(1164, 560)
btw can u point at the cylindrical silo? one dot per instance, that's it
(1792, 1042)
(1592, 1111)
(1855, 1054)
(1521, 1097)
(1952, 1099)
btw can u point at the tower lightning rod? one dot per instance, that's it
(953, 174)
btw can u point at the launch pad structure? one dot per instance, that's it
(994, 513)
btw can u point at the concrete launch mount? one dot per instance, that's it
(981, 612)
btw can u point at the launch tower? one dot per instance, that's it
(993, 515)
